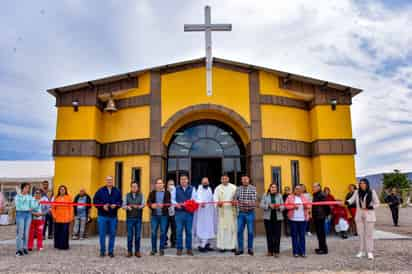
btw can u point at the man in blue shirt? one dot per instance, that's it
(111, 198)
(183, 218)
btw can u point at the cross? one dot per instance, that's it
(208, 27)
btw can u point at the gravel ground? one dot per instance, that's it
(384, 221)
(7, 232)
(392, 256)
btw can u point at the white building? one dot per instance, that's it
(13, 173)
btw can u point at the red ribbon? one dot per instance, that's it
(192, 206)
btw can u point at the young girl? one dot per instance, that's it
(37, 223)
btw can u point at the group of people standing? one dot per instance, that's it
(33, 219)
(168, 209)
(223, 214)
(37, 217)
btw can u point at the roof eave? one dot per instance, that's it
(354, 91)
(55, 91)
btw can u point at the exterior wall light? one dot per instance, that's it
(75, 104)
(333, 103)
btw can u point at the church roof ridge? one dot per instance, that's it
(104, 80)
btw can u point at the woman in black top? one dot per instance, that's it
(286, 193)
(352, 209)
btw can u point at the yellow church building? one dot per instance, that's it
(159, 122)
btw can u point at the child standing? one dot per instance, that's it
(37, 223)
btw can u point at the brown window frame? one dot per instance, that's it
(279, 182)
(295, 172)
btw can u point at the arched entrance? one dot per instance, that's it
(205, 148)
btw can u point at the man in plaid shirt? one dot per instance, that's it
(246, 201)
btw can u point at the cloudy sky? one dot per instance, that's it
(366, 44)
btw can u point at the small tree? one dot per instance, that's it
(396, 179)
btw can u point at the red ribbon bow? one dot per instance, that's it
(191, 206)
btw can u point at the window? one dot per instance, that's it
(276, 177)
(136, 175)
(205, 139)
(295, 173)
(118, 175)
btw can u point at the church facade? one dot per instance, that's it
(273, 125)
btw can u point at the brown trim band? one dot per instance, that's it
(125, 148)
(283, 101)
(333, 147)
(91, 99)
(92, 148)
(320, 99)
(88, 96)
(286, 147)
(322, 95)
(135, 101)
(309, 149)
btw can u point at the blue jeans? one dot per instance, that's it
(157, 221)
(23, 221)
(184, 220)
(134, 229)
(243, 219)
(298, 230)
(106, 225)
(327, 226)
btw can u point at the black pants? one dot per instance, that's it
(320, 233)
(172, 226)
(395, 214)
(61, 235)
(286, 225)
(273, 230)
(48, 225)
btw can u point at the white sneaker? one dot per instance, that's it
(309, 234)
(370, 256)
(360, 255)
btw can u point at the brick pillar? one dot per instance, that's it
(156, 146)
(255, 146)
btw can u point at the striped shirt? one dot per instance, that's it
(246, 198)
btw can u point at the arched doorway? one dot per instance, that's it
(206, 148)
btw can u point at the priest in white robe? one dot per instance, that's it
(205, 216)
(226, 223)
